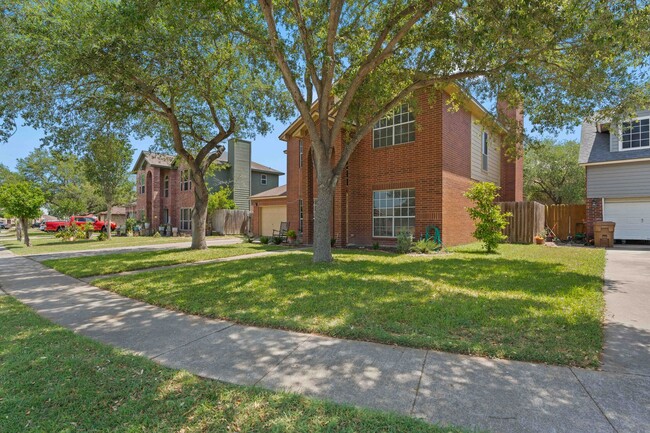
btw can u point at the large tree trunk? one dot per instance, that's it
(323, 224)
(108, 222)
(19, 230)
(199, 215)
(25, 223)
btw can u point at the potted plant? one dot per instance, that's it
(291, 236)
(539, 238)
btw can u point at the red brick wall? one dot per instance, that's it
(457, 226)
(594, 213)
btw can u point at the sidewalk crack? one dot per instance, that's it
(417, 389)
(281, 361)
(594, 400)
(193, 341)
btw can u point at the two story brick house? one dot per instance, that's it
(164, 188)
(408, 174)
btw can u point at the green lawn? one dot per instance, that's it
(114, 263)
(53, 380)
(528, 303)
(42, 245)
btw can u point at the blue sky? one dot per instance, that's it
(267, 150)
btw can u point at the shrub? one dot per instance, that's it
(332, 242)
(156, 235)
(264, 240)
(248, 238)
(102, 236)
(71, 233)
(488, 218)
(375, 245)
(291, 234)
(424, 246)
(130, 224)
(276, 240)
(404, 242)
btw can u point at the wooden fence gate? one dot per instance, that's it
(562, 218)
(526, 221)
(231, 221)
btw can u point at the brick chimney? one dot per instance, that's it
(512, 171)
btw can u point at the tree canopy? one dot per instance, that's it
(552, 174)
(23, 200)
(354, 61)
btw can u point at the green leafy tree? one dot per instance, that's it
(159, 68)
(352, 62)
(23, 200)
(488, 219)
(62, 179)
(221, 199)
(107, 164)
(552, 174)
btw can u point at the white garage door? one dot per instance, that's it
(271, 217)
(632, 218)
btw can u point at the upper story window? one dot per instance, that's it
(186, 182)
(484, 150)
(166, 186)
(263, 179)
(142, 183)
(396, 128)
(635, 134)
(300, 150)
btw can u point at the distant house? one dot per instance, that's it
(616, 157)
(119, 214)
(407, 174)
(165, 192)
(269, 210)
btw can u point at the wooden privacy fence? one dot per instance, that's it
(562, 218)
(526, 221)
(232, 221)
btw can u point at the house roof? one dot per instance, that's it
(278, 191)
(167, 161)
(474, 106)
(119, 210)
(594, 148)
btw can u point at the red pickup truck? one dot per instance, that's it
(98, 226)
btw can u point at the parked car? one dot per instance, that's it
(3, 226)
(98, 226)
(41, 227)
(36, 224)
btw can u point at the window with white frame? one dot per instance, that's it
(186, 218)
(300, 215)
(300, 150)
(396, 128)
(484, 151)
(186, 181)
(393, 211)
(166, 186)
(635, 133)
(263, 179)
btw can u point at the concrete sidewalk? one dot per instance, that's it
(495, 395)
(118, 250)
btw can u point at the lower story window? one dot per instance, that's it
(300, 218)
(393, 211)
(186, 218)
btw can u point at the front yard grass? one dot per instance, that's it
(53, 380)
(46, 245)
(80, 267)
(528, 303)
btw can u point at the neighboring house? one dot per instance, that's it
(269, 210)
(408, 174)
(119, 214)
(165, 192)
(616, 158)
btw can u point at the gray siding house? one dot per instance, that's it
(616, 157)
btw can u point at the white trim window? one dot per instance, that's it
(484, 150)
(397, 127)
(166, 186)
(186, 181)
(263, 179)
(393, 211)
(186, 218)
(635, 134)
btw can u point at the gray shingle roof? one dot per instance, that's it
(278, 191)
(167, 161)
(594, 147)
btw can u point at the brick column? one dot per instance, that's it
(594, 214)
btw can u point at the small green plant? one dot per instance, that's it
(156, 235)
(264, 240)
(71, 233)
(333, 242)
(375, 245)
(291, 234)
(102, 236)
(488, 218)
(404, 242)
(248, 238)
(424, 246)
(130, 224)
(276, 240)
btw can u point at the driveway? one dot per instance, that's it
(627, 315)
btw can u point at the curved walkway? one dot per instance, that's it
(496, 395)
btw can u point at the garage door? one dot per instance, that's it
(271, 217)
(632, 218)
